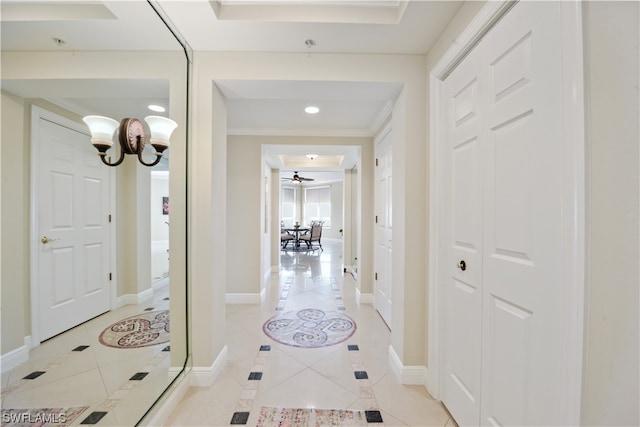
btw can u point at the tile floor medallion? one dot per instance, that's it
(142, 330)
(310, 328)
(41, 416)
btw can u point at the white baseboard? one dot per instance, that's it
(205, 376)
(410, 375)
(244, 298)
(16, 357)
(363, 298)
(128, 299)
(160, 283)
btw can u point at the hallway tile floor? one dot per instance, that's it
(77, 375)
(346, 377)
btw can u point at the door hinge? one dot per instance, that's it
(376, 276)
(376, 162)
(376, 219)
(109, 217)
(110, 276)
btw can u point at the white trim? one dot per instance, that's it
(206, 376)
(410, 375)
(245, 298)
(574, 227)
(38, 113)
(355, 133)
(15, 358)
(134, 299)
(574, 207)
(160, 283)
(363, 298)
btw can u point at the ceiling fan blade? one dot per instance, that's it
(305, 179)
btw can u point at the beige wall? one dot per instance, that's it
(15, 225)
(612, 356)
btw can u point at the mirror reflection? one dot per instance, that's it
(93, 257)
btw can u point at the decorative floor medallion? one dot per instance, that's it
(310, 328)
(141, 330)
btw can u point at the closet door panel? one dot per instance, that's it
(522, 219)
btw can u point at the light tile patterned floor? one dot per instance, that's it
(294, 377)
(80, 371)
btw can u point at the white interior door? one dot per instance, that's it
(72, 219)
(463, 197)
(383, 228)
(504, 142)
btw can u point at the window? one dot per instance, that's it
(317, 205)
(288, 206)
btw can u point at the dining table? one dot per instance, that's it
(296, 232)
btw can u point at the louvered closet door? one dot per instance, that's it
(504, 121)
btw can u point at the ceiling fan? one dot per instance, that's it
(297, 178)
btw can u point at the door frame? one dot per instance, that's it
(38, 113)
(574, 199)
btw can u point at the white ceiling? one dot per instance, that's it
(254, 107)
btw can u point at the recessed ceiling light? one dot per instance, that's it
(157, 108)
(311, 110)
(311, 156)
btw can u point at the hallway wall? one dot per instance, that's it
(612, 347)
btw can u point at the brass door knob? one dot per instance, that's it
(46, 240)
(462, 265)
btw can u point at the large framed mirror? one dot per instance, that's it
(93, 267)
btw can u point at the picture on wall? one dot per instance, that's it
(165, 205)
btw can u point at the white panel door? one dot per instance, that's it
(522, 276)
(503, 124)
(463, 285)
(383, 229)
(73, 269)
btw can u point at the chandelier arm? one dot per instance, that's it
(103, 157)
(157, 160)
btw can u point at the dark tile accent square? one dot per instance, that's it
(353, 347)
(93, 418)
(373, 416)
(279, 309)
(33, 375)
(139, 376)
(265, 348)
(81, 348)
(239, 418)
(148, 309)
(338, 297)
(255, 376)
(361, 375)
(342, 308)
(167, 348)
(166, 299)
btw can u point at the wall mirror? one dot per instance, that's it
(93, 268)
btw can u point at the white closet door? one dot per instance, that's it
(503, 135)
(522, 276)
(463, 284)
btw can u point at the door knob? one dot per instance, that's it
(462, 265)
(46, 240)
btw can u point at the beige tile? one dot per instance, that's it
(411, 404)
